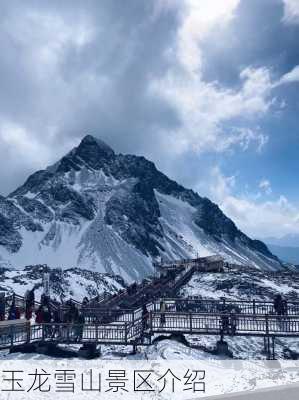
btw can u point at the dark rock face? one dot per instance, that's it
(92, 183)
(141, 225)
(35, 209)
(16, 216)
(68, 203)
(9, 237)
(91, 152)
(34, 183)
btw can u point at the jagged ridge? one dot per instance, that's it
(114, 213)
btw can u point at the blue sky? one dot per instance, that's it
(207, 89)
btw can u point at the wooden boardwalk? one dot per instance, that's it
(139, 330)
(119, 319)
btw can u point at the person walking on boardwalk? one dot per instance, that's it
(281, 309)
(224, 324)
(162, 313)
(18, 313)
(39, 315)
(233, 323)
(79, 327)
(56, 322)
(145, 316)
(13, 312)
(47, 317)
(2, 306)
(278, 304)
(29, 304)
(284, 307)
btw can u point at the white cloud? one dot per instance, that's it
(291, 11)
(212, 117)
(204, 107)
(21, 146)
(292, 76)
(251, 213)
(46, 37)
(265, 186)
(199, 17)
(22, 143)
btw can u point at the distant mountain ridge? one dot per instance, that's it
(288, 254)
(115, 213)
(289, 240)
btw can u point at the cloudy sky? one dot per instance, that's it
(208, 89)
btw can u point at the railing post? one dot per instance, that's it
(68, 332)
(151, 321)
(190, 318)
(28, 331)
(43, 332)
(126, 333)
(11, 335)
(268, 338)
(273, 348)
(254, 306)
(223, 303)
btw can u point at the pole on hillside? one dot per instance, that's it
(46, 284)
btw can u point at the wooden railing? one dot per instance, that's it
(229, 324)
(115, 333)
(254, 307)
(130, 332)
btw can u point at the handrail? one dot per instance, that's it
(128, 332)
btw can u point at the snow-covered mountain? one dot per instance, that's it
(73, 283)
(115, 213)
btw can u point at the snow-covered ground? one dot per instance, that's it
(235, 285)
(75, 283)
(218, 376)
(242, 285)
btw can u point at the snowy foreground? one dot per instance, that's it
(214, 377)
(233, 285)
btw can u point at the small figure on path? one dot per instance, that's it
(145, 316)
(224, 324)
(2, 306)
(79, 327)
(162, 311)
(278, 304)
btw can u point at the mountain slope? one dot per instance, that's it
(115, 213)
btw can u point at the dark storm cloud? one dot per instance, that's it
(68, 68)
(256, 37)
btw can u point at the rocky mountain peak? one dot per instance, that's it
(94, 151)
(91, 152)
(91, 143)
(112, 212)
